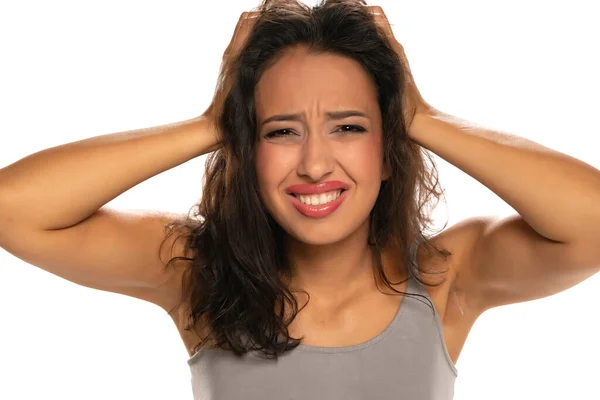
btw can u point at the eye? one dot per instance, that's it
(353, 128)
(279, 133)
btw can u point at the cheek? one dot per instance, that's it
(273, 164)
(364, 159)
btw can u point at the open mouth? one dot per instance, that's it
(318, 205)
(318, 199)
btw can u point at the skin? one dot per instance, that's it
(331, 255)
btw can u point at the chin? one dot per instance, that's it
(318, 239)
(323, 234)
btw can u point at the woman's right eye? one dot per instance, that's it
(279, 133)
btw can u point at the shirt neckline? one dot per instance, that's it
(370, 342)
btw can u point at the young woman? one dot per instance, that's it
(305, 271)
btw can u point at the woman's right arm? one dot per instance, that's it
(52, 214)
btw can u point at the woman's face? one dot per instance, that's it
(319, 127)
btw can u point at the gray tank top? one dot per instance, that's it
(408, 360)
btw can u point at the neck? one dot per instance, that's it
(331, 270)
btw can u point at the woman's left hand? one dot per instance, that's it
(412, 100)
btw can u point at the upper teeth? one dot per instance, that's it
(318, 199)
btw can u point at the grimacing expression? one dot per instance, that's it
(314, 147)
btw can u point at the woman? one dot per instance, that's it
(383, 297)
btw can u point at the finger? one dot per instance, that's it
(378, 13)
(245, 26)
(381, 19)
(375, 10)
(385, 25)
(235, 31)
(240, 32)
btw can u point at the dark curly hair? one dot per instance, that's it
(234, 278)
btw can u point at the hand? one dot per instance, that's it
(412, 101)
(226, 76)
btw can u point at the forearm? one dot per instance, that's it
(557, 195)
(61, 186)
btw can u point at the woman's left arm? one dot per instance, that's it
(552, 244)
(554, 241)
(556, 194)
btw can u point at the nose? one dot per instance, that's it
(317, 160)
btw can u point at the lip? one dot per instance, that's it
(318, 188)
(319, 211)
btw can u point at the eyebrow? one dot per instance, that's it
(330, 115)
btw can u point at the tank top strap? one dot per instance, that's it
(413, 285)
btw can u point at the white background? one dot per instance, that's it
(72, 70)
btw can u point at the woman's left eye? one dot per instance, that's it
(353, 128)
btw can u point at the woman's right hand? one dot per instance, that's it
(240, 35)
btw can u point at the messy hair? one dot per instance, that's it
(233, 283)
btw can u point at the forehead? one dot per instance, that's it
(301, 80)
